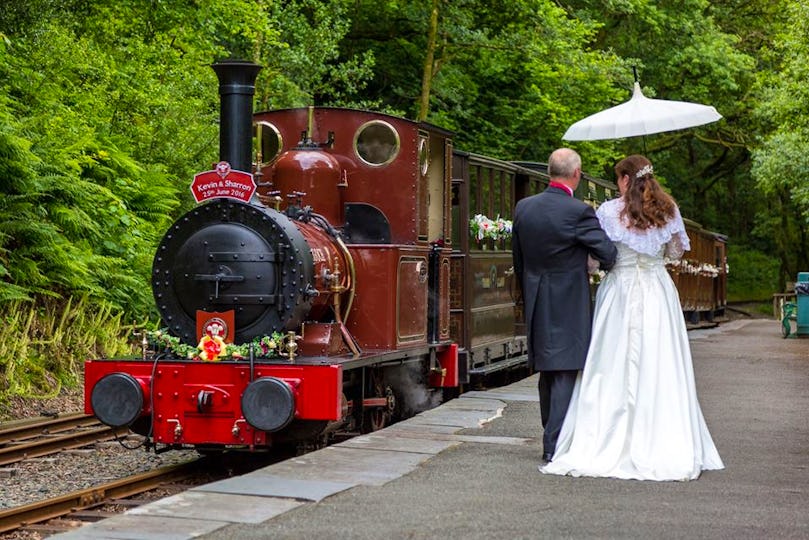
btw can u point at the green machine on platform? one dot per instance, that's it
(799, 311)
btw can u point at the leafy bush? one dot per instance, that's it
(753, 275)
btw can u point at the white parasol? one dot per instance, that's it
(641, 116)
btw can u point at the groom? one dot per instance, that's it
(553, 233)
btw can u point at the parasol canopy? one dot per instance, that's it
(641, 116)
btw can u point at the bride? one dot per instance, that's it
(634, 413)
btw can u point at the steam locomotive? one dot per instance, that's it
(328, 279)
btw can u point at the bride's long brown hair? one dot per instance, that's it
(646, 205)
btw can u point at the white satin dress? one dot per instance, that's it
(634, 412)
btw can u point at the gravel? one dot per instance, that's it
(35, 479)
(40, 478)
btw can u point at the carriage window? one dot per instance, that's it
(456, 214)
(485, 206)
(496, 181)
(502, 197)
(268, 142)
(538, 187)
(376, 143)
(473, 191)
(508, 194)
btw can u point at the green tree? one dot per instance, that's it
(107, 109)
(303, 66)
(507, 76)
(681, 53)
(707, 52)
(781, 157)
(126, 112)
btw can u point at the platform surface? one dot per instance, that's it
(468, 470)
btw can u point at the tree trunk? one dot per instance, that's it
(427, 77)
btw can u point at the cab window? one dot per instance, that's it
(376, 143)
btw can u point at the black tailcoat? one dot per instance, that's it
(552, 235)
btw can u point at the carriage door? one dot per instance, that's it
(434, 226)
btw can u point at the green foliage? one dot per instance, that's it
(79, 215)
(43, 343)
(17, 209)
(753, 275)
(780, 163)
(108, 108)
(508, 76)
(305, 67)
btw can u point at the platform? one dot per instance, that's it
(468, 469)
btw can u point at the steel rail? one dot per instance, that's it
(28, 429)
(51, 445)
(29, 514)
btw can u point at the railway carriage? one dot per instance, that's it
(332, 277)
(483, 320)
(701, 276)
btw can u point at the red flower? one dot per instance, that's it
(211, 348)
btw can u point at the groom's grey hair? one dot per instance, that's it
(563, 163)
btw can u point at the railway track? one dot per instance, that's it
(81, 500)
(41, 437)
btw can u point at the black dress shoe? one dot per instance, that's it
(547, 457)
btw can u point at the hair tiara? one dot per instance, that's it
(644, 171)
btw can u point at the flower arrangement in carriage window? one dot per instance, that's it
(483, 228)
(693, 268)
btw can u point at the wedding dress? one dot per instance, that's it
(634, 412)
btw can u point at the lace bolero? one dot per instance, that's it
(672, 235)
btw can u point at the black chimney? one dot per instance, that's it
(237, 84)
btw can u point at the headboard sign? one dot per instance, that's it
(223, 182)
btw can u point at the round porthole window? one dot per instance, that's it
(268, 142)
(376, 143)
